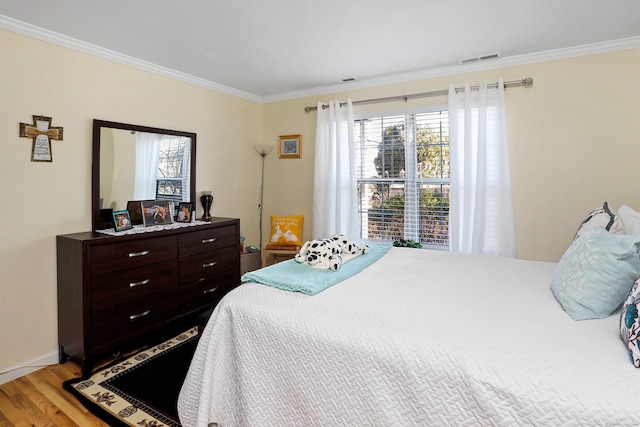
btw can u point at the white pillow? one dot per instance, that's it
(630, 220)
(604, 217)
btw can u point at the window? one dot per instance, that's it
(173, 169)
(403, 177)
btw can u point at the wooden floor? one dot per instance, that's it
(38, 399)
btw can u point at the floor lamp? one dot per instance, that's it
(263, 150)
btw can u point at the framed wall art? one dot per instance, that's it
(42, 133)
(157, 212)
(122, 220)
(290, 147)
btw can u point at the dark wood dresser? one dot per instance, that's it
(115, 290)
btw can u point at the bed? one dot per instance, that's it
(418, 338)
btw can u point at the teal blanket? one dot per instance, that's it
(293, 276)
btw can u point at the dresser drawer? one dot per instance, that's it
(202, 266)
(207, 291)
(131, 254)
(207, 240)
(111, 289)
(130, 319)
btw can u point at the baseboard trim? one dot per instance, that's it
(27, 367)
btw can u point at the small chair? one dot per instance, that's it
(285, 239)
(279, 253)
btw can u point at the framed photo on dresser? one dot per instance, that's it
(135, 211)
(185, 212)
(156, 212)
(122, 220)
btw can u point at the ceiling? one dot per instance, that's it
(276, 49)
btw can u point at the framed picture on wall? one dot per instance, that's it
(156, 212)
(122, 220)
(290, 147)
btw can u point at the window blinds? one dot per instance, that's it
(403, 176)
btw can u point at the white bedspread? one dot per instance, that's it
(420, 338)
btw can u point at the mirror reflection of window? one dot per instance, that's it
(172, 181)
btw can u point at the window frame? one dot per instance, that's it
(419, 182)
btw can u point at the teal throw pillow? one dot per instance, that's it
(596, 273)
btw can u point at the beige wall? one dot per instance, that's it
(574, 138)
(42, 200)
(574, 142)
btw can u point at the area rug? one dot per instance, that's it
(141, 390)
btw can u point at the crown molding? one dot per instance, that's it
(511, 61)
(39, 33)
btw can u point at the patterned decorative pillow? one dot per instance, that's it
(630, 324)
(286, 230)
(595, 274)
(603, 216)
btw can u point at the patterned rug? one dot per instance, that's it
(141, 390)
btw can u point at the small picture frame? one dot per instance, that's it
(290, 147)
(156, 212)
(185, 212)
(122, 220)
(135, 211)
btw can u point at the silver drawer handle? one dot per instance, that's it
(211, 240)
(209, 264)
(136, 316)
(208, 291)
(140, 283)
(135, 254)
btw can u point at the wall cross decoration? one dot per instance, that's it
(42, 133)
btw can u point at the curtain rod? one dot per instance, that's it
(526, 82)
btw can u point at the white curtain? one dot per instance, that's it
(186, 171)
(335, 207)
(147, 154)
(481, 212)
(411, 187)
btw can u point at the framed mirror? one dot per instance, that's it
(135, 163)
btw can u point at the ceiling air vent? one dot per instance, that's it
(480, 58)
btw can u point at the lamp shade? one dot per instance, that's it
(263, 149)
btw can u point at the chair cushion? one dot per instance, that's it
(276, 247)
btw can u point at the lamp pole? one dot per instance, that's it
(261, 193)
(263, 150)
